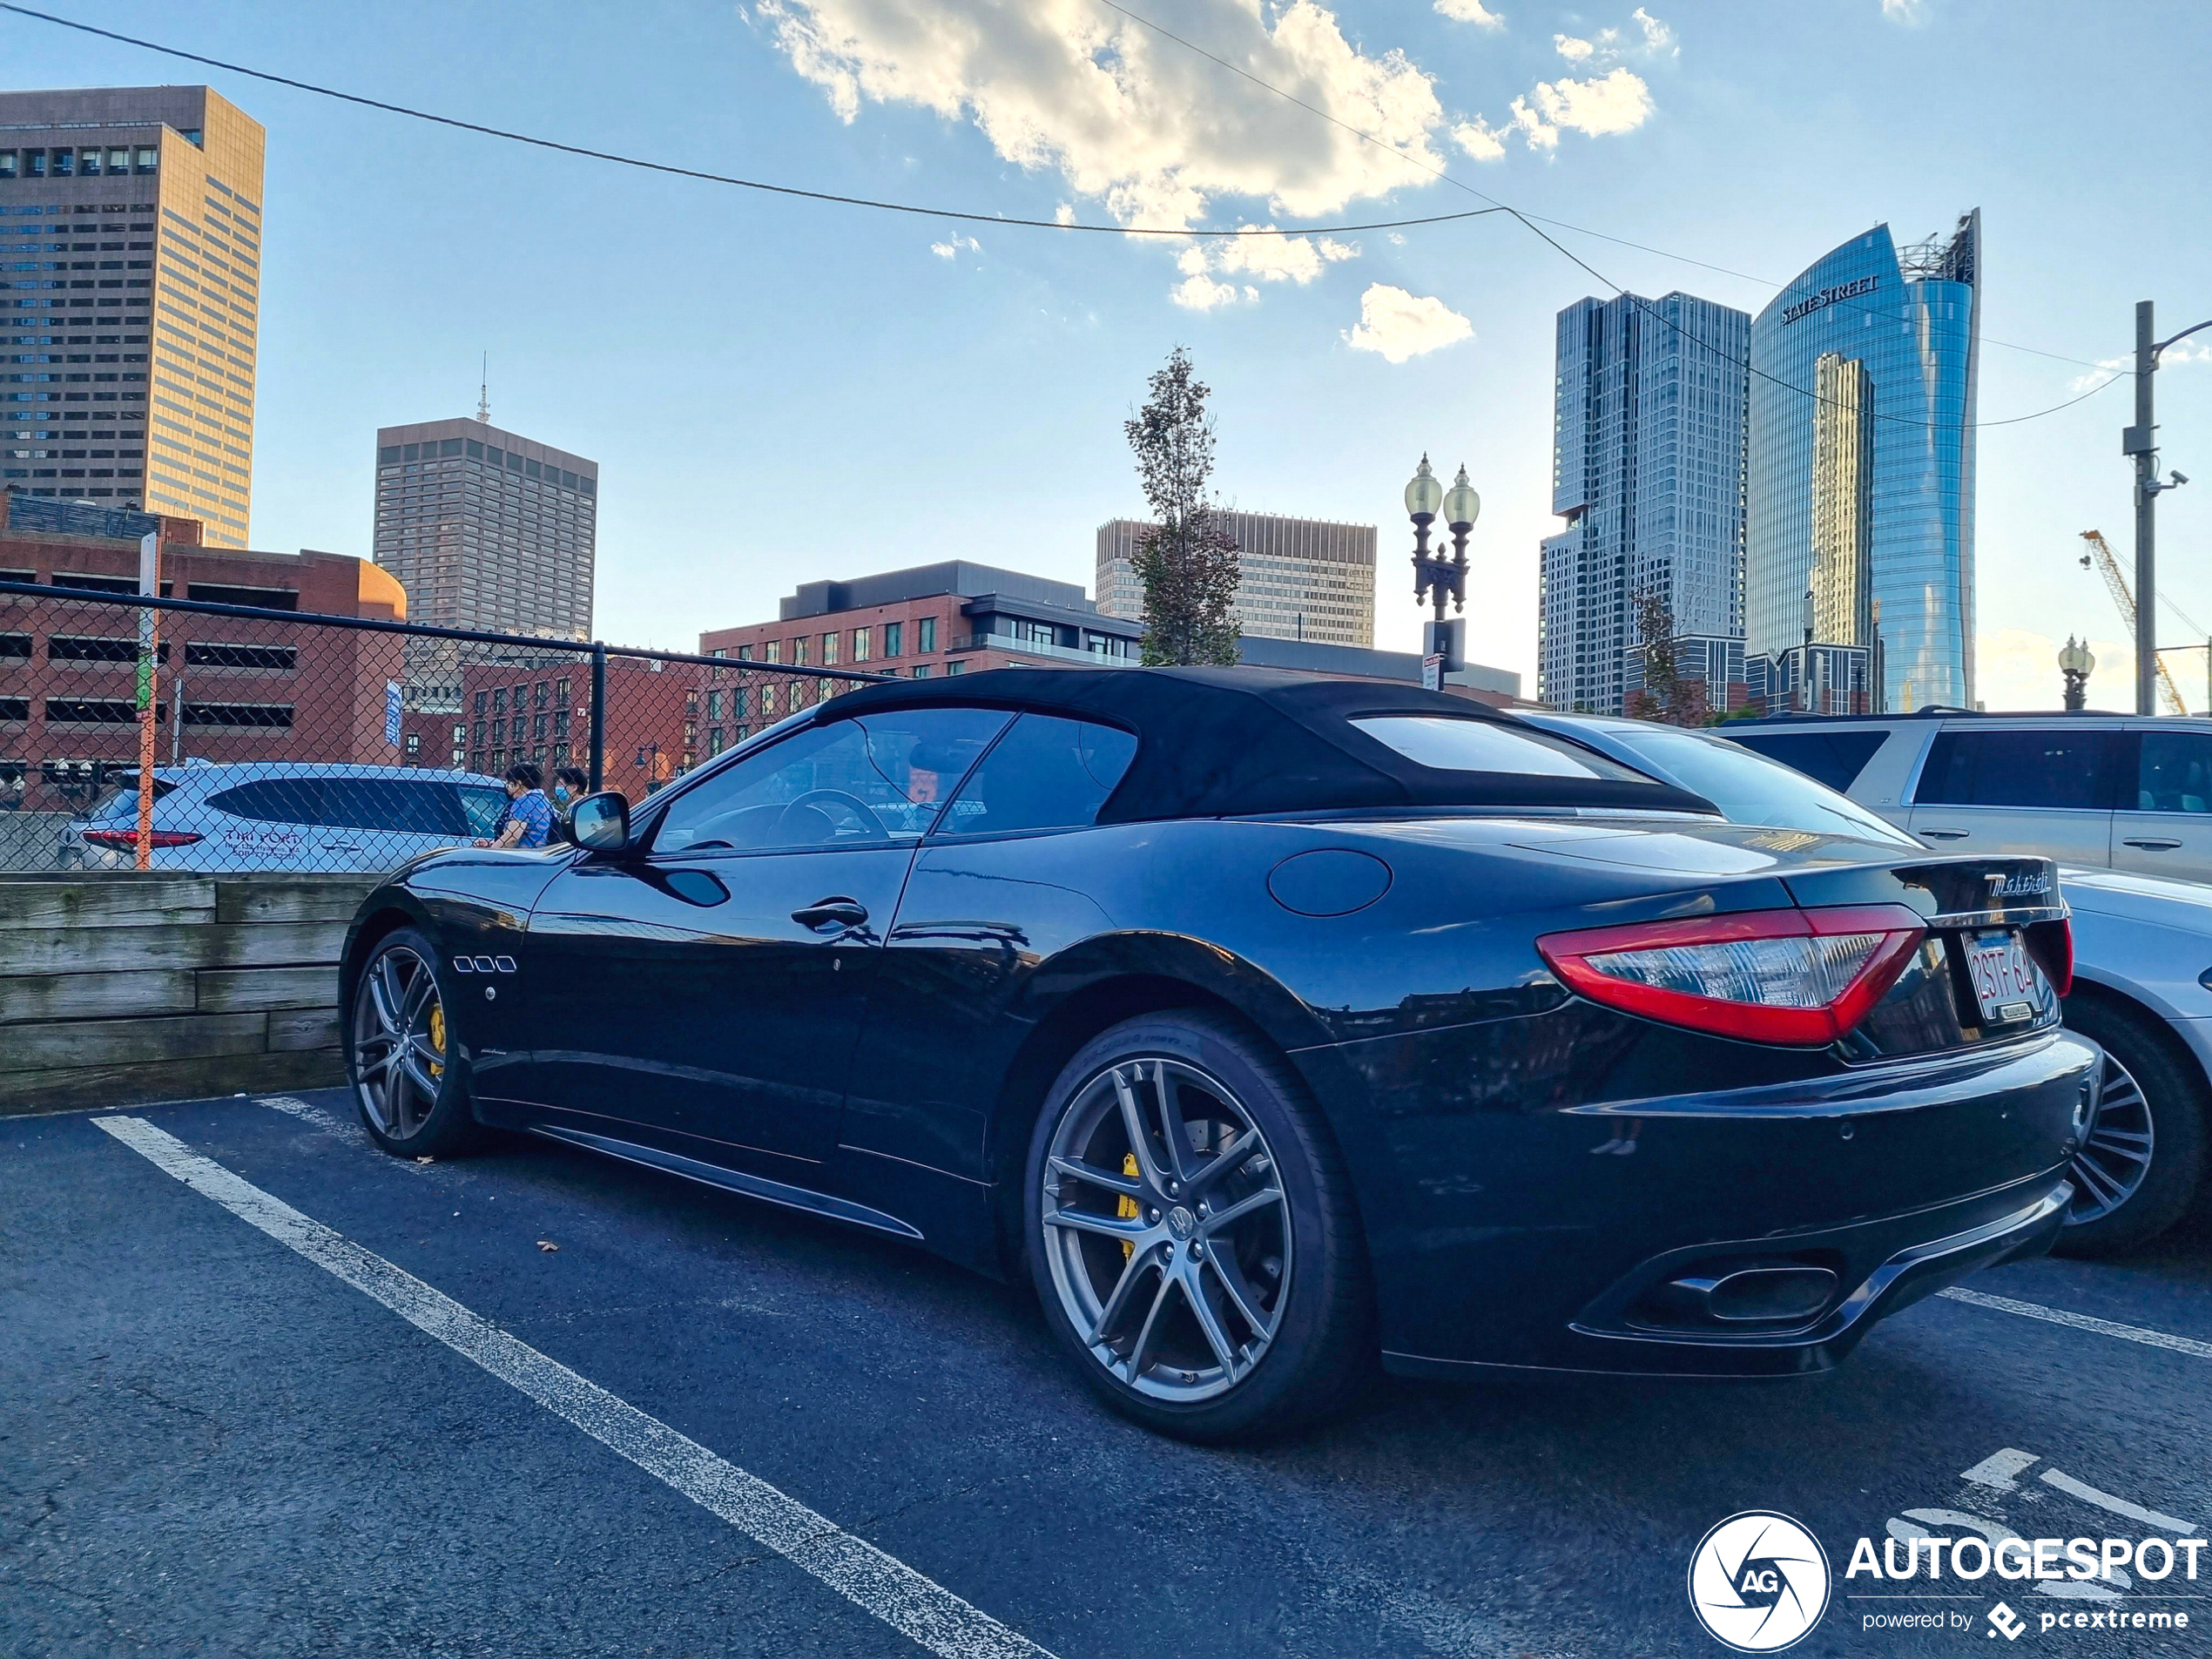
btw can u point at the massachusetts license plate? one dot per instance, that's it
(2008, 983)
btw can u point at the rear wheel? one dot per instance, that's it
(1192, 1232)
(2143, 1155)
(413, 1099)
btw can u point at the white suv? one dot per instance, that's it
(2086, 789)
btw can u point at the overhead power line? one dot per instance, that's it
(918, 209)
(1529, 223)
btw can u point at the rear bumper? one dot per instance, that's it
(1522, 1207)
(1606, 1338)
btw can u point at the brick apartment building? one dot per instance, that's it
(539, 709)
(228, 688)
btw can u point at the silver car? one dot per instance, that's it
(281, 815)
(2142, 958)
(2099, 790)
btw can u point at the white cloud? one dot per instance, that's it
(1471, 11)
(1573, 51)
(2017, 668)
(1658, 38)
(949, 249)
(2173, 357)
(1399, 324)
(1613, 103)
(1480, 140)
(1905, 11)
(1152, 130)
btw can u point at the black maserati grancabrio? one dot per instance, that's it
(1269, 1024)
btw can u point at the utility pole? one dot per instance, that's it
(2140, 440)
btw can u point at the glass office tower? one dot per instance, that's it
(1875, 346)
(1648, 471)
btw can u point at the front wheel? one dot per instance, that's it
(413, 1099)
(1192, 1232)
(2143, 1155)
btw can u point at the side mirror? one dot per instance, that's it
(601, 822)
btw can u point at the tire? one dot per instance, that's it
(1284, 1279)
(412, 1096)
(2150, 1101)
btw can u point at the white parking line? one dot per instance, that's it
(879, 1584)
(2088, 1493)
(2083, 1322)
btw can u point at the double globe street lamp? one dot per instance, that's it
(1436, 578)
(2075, 663)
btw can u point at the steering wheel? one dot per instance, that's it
(871, 826)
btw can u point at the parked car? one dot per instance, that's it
(2142, 956)
(287, 816)
(2092, 790)
(1268, 1024)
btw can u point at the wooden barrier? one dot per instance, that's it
(123, 987)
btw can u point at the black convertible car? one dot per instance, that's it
(1269, 1023)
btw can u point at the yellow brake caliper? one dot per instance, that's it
(1125, 1207)
(438, 1037)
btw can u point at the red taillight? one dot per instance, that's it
(1802, 978)
(127, 841)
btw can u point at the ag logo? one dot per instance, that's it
(1759, 1582)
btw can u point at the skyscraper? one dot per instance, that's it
(1297, 578)
(1862, 450)
(129, 287)
(1648, 471)
(484, 528)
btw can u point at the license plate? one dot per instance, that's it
(2008, 983)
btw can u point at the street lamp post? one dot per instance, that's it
(1437, 578)
(2075, 663)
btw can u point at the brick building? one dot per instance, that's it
(227, 688)
(538, 708)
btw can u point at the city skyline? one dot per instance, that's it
(399, 252)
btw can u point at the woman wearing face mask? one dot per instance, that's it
(570, 784)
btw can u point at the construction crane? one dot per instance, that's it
(2099, 558)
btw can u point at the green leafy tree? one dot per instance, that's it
(1186, 560)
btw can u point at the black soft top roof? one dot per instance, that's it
(1218, 742)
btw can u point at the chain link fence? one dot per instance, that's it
(285, 741)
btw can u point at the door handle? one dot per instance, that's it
(831, 915)
(2153, 844)
(1942, 834)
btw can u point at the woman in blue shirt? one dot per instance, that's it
(529, 820)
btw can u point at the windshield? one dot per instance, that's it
(1750, 789)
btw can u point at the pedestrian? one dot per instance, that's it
(529, 821)
(570, 784)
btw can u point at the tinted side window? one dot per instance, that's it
(483, 808)
(2014, 768)
(872, 778)
(1046, 774)
(1833, 758)
(2175, 772)
(389, 804)
(274, 801)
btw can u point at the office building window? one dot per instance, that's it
(829, 651)
(861, 644)
(921, 671)
(925, 634)
(893, 632)
(799, 652)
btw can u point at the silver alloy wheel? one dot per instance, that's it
(399, 1042)
(1166, 1230)
(2116, 1148)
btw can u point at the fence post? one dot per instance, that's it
(149, 654)
(598, 716)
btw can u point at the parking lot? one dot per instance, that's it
(703, 1426)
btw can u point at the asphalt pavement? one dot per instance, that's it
(265, 1391)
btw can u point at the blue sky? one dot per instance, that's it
(779, 391)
